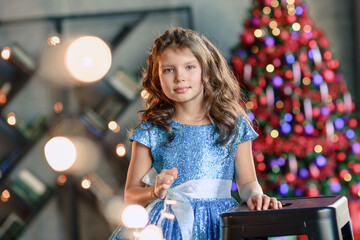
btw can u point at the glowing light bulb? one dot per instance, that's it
(347, 177)
(6, 53)
(135, 216)
(259, 33)
(11, 119)
(276, 31)
(144, 94)
(5, 195)
(113, 126)
(249, 105)
(270, 68)
(58, 107)
(85, 183)
(151, 232)
(60, 153)
(61, 180)
(273, 24)
(112, 209)
(88, 59)
(53, 40)
(274, 133)
(120, 150)
(318, 148)
(296, 26)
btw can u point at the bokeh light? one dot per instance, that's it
(5, 195)
(113, 126)
(134, 216)
(88, 59)
(144, 94)
(61, 179)
(112, 209)
(53, 40)
(151, 232)
(6, 53)
(60, 153)
(11, 119)
(85, 183)
(120, 150)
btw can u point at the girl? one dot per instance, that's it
(192, 138)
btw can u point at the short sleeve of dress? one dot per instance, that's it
(245, 130)
(142, 134)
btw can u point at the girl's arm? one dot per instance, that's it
(249, 188)
(136, 191)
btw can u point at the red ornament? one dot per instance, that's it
(256, 12)
(237, 64)
(247, 38)
(267, 3)
(341, 156)
(300, 117)
(316, 112)
(252, 61)
(290, 177)
(353, 123)
(260, 157)
(307, 74)
(312, 44)
(303, 38)
(261, 167)
(298, 129)
(354, 189)
(343, 88)
(328, 75)
(341, 107)
(258, 90)
(324, 42)
(288, 74)
(333, 64)
(331, 106)
(312, 192)
(342, 173)
(327, 55)
(265, 19)
(303, 57)
(277, 12)
(274, 120)
(291, 18)
(262, 82)
(263, 100)
(284, 35)
(356, 168)
(277, 62)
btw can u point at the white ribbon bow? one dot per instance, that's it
(183, 211)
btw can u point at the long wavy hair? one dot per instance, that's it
(222, 93)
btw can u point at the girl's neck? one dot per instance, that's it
(191, 117)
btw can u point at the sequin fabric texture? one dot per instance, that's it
(196, 155)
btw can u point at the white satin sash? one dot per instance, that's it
(183, 211)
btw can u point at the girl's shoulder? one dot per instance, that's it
(245, 130)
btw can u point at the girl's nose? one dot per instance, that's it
(179, 76)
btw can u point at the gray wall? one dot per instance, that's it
(221, 21)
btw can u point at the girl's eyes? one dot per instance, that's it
(168, 70)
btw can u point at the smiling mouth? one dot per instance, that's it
(181, 89)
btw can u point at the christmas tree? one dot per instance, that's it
(303, 111)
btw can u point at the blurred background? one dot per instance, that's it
(50, 111)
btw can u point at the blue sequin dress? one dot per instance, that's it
(199, 159)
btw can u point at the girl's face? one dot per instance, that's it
(181, 75)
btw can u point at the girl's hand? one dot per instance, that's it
(163, 181)
(263, 202)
